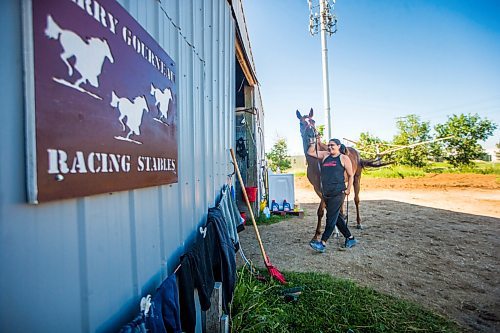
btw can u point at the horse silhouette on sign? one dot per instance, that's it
(133, 111)
(162, 102)
(309, 136)
(89, 55)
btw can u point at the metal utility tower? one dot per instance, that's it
(326, 22)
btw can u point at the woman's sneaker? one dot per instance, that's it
(350, 242)
(318, 246)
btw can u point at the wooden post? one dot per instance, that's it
(214, 314)
(224, 324)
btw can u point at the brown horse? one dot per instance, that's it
(309, 135)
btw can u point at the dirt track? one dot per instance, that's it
(432, 240)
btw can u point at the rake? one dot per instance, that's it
(273, 271)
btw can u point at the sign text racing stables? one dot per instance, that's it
(101, 101)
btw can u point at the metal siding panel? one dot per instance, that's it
(209, 104)
(232, 61)
(215, 93)
(198, 26)
(171, 225)
(147, 238)
(222, 93)
(198, 198)
(109, 252)
(229, 109)
(207, 55)
(39, 260)
(220, 83)
(186, 144)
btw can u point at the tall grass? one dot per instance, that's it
(394, 171)
(326, 304)
(402, 171)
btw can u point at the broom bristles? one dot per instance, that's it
(274, 272)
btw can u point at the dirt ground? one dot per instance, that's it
(432, 240)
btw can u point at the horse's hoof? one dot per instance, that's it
(359, 226)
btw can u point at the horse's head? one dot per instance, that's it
(168, 93)
(307, 129)
(141, 102)
(103, 44)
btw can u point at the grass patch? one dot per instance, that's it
(326, 304)
(271, 220)
(394, 171)
(403, 171)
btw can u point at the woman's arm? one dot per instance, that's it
(321, 145)
(348, 169)
(312, 151)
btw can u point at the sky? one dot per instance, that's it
(389, 58)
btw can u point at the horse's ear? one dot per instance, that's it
(311, 113)
(298, 114)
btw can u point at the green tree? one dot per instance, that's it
(369, 145)
(278, 157)
(410, 131)
(436, 151)
(321, 131)
(497, 151)
(466, 130)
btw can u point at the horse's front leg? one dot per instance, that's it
(321, 213)
(129, 134)
(65, 56)
(121, 120)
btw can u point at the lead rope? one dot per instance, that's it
(319, 166)
(347, 210)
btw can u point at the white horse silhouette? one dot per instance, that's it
(89, 55)
(162, 100)
(132, 110)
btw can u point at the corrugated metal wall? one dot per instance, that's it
(82, 265)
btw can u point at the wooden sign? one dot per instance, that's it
(101, 99)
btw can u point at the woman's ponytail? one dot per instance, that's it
(343, 149)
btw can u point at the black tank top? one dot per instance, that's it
(332, 176)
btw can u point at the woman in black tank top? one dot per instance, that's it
(332, 176)
(333, 166)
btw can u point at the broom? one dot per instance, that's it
(273, 271)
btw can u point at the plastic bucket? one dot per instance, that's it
(251, 193)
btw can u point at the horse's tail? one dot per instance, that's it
(114, 100)
(53, 30)
(375, 163)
